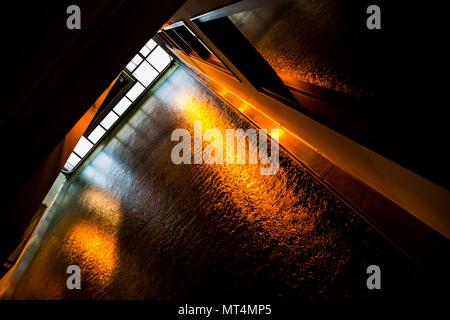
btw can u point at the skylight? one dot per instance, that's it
(96, 134)
(134, 92)
(144, 68)
(145, 73)
(122, 106)
(109, 120)
(159, 58)
(83, 147)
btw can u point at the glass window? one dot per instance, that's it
(135, 91)
(159, 59)
(73, 159)
(122, 106)
(137, 59)
(68, 167)
(83, 146)
(96, 134)
(145, 73)
(151, 44)
(131, 66)
(109, 120)
(144, 51)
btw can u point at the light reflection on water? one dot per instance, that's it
(140, 226)
(259, 197)
(95, 251)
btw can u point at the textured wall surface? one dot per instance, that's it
(142, 227)
(321, 42)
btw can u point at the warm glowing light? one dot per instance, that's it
(223, 91)
(273, 201)
(280, 133)
(244, 107)
(105, 208)
(93, 245)
(196, 110)
(94, 251)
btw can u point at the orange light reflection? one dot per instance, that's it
(274, 204)
(94, 251)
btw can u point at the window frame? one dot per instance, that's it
(109, 108)
(191, 49)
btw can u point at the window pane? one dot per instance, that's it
(73, 159)
(145, 73)
(135, 91)
(151, 44)
(144, 51)
(131, 66)
(96, 134)
(68, 167)
(109, 120)
(83, 146)
(137, 59)
(159, 59)
(122, 105)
